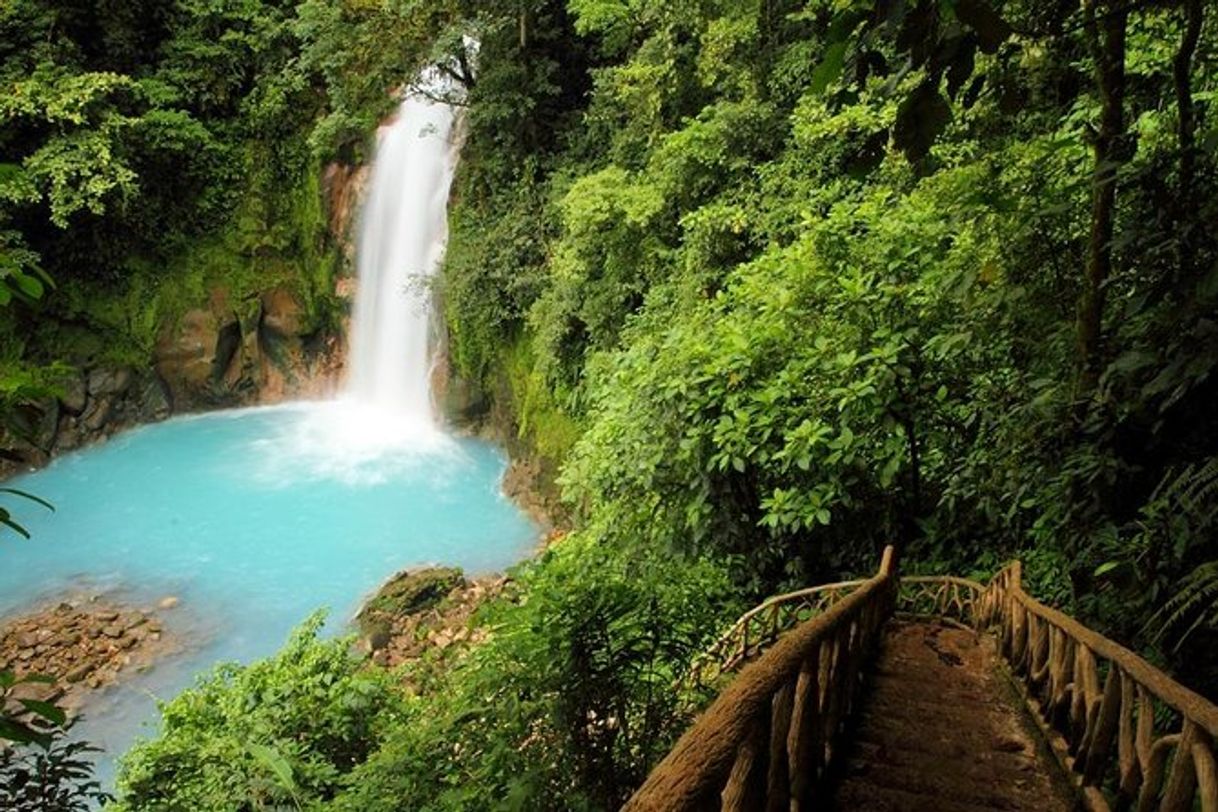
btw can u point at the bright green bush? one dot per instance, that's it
(570, 701)
(282, 731)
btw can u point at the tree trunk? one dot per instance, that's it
(1182, 67)
(1106, 38)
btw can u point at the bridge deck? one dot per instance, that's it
(941, 730)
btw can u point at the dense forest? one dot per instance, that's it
(764, 286)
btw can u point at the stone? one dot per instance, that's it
(79, 673)
(282, 313)
(109, 380)
(168, 602)
(1008, 744)
(155, 401)
(75, 394)
(43, 418)
(408, 592)
(113, 631)
(98, 413)
(377, 636)
(184, 353)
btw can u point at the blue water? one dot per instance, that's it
(253, 519)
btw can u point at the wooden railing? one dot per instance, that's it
(766, 741)
(1130, 736)
(943, 597)
(760, 627)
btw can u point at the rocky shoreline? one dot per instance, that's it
(85, 644)
(425, 612)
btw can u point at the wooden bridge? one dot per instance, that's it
(934, 693)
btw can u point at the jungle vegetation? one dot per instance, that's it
(768, 283)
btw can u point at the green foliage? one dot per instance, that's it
(53, 777)
(569, 702)
(780, 282)
(154, 153)
(281, 731)
(806, 279)
(39, 770)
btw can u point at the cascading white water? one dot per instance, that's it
(402, 234)
(383, 420)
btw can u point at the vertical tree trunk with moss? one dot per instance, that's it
(1105, 29)
(1182, 67)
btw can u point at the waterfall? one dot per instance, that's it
(383, 420)
(402, 233)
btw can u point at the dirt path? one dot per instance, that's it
(940, 730)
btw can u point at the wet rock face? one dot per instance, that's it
(75, 394)
(185, 352)
(214, 357)
(343, 186)
(111, 381)
(93, 405)
(82, 644)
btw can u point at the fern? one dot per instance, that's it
(1193, 494)
(1194, 606)
(1184, 510)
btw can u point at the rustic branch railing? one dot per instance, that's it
(940, 596)
(765, 742)
(1131, 737)
(759, 628)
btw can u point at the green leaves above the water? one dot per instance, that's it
(29, 725)
(6, 518)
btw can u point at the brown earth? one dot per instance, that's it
(941, 730)
(84, 644)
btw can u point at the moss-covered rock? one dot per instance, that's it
(407, 593)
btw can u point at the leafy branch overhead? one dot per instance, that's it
(938, 42)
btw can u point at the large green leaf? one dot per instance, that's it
(980, 16)
(922, 116)
(829, 68)
(51, 712)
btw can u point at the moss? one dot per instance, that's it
(407, 593)
(274, 238)
(549, 430)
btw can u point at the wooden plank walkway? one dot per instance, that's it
(941, 730)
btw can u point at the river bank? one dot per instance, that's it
(85, 643)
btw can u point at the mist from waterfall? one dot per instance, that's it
(402, 233)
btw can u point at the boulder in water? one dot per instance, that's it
(412, 591)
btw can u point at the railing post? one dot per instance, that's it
(888, 561)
